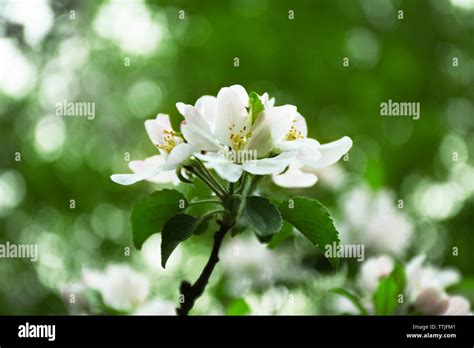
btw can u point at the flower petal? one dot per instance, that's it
(242, 93)
(163, 177)
(224, 168)
(270, 128)
(207, 105)
(307, 149)
(271, 165)
(196, 129)
(178, 155)
(156, 127)
(147, 171)
(266, 101)
(331, 153)
(295, 178)
(458, 305)
(299, 123)
(232, 116)
(432, 301)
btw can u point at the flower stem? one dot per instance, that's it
(214, 212)
(190, 293)
(209, 175)
(205, 201)
(207, 181)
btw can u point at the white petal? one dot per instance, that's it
(156, 307)
(224, 168)
(300, 124)
(307, 149)
(431, 301)
(156, 127)
(199, 138)
(331, 153)
(266, 101)
(295, 178)
(207, 105)
(178, 155)
(196, 128)
(146, 171)
(242, 93)
(270, 127)
(121, 287)
(140, 165)
(271, 165)
(163, 177)
(458, 305)
(232, 116)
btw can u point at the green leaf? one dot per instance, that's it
(353, 298)
(286, 231)
(205, 224)
(261, 216)
(238, 307)
(151, 213)
(398, 275)
(256, 106)
(176, 230)
(312, 219)
(386, 296)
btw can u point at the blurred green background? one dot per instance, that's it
(134, 59)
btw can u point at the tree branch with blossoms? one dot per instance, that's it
(230, 143)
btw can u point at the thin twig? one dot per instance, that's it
(190, 293)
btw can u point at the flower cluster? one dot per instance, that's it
(233, 133)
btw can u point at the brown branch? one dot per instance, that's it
(192, 292)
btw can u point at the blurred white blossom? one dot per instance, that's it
(425, 286)
(373, 219)
(120, 286)
(156, 307)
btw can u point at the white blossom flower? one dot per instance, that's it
(121, 287)
(277, 137)
(248, 263)
(221, 130)
(420, 277)
(371, 218)
(432, 301)
(172, 148)
(311, 155)
(156, 307)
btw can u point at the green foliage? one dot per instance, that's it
(238, 307)
(261, 216)
(312, 219)
(150, 214)
(390, 287)
(256, 106)
(176, 230)
(285, 232)
(205, 224)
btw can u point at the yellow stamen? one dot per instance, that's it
(169, 142)
(293, 133)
